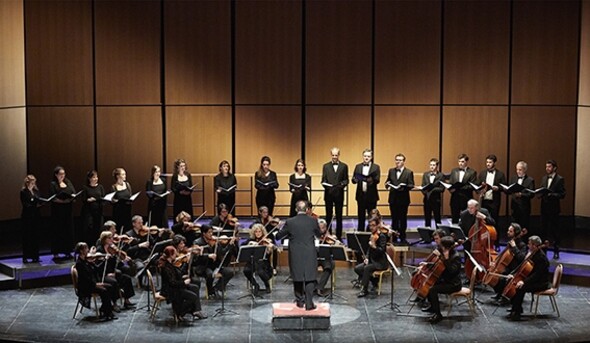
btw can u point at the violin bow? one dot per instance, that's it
(360, 246)
(327, 230)
(199, 217)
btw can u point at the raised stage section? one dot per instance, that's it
(287, 316)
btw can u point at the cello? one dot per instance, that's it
(521, 273)
(501, 263)
(427, 275)
(482, 237)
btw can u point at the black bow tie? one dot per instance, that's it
(550, 177)
(432, 174)
(334, 163)
(461, 170)
(366, 164)
(491, 172)
(521, 177)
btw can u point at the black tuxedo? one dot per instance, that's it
(302, 231)
(334, 195)
(551, 208)
(467, 220)
(377, 261)
(492, 205)
(399, 199)
(432, 198)
(521, 206)
(536, 281)
(461, 196)
(366, 201)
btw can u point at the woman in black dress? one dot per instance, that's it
(225, 185)
(122, 206)
(177, 288)
(62, 238)
(265, 182)
(92, 218)
(181, 186)
(299, 185)
(157, 203)
(29, 198)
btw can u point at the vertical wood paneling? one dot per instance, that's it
(268, 52)
(407, 52)
(60, 136)
(59, 52)
(131, 138)
(476, 131)
(338, 68)
(13, 139)
(197, 52)
(545, 41)
(540, 133)
(127, 52)
(12, 60)
(582, 185)
(584, 88)
(476, 54)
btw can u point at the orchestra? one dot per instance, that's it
(191, 250)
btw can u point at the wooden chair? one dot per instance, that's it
(551, 292)
(74, 274)
(466, 293)
(380, 274)
(158, 298)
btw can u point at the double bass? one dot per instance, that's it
(501, 263)
(482, 237)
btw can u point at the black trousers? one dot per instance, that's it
(327, 267)
(550, 230)
(459, 201)
(364, 206)
(521, 216)
(304, 292)
(493, 207)
(518, 298)
(186, 300)
(441, 288)
(226, 275)
(365, 273)
(334, 203)
(431, 206)
(263, 270)
(399, 218)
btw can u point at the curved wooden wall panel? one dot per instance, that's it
(12, 62)
(11, 135)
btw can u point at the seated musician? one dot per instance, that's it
(177, 288)
(221, 219)
(139, 249)
(536, 281)
(437, 235)
(518, 249)
(375, 259)
(185, 254)
(114, 264)
(88, 283)
(184, 226)
(269, 224)
(109, 225)
(212, 254)
(470, 216)
(262, 267)
(449, 281)
(327, 265)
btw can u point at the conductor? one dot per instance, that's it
(301, 231)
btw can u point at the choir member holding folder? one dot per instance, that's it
(157, 192)
(432, 190)
(61, 213)
(225, 186)
(460, 187)
(30, 216)
(366, 175)
(299, 185)
(122, 199)
(334, 181)
(400, 180)
(182, 186)
(265, 182)
(520, 199)
(92, 215)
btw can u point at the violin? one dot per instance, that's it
(91, 257)
(482, 237)
(122, 238)
(501, 263)
(115, 251)
(232, 221)
(326, 238)
(185, 255)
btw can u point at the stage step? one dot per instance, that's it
(30, 275)
(287, 316)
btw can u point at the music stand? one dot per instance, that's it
(446, 228)
(425, 235)
(150, 261)
(476, 266)
(332, 253)
(392, 305)
(458, 233)
(251, 254)
(358, 241)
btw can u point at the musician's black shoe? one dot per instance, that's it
(255, 289)
(362, 294)
(556, 256)
(312, 307)
(437, 317)
(497, 297)
(199, 315)
(300, 304)
(514, 316)
(427, 309)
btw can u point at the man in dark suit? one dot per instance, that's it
(301, 231)
(432, 197)
(334, 180)
(400, 180)
(520, 202)
(366, 175)
(491, 196)
(375, 259)
(460, 196)
(469, 216)
(550, 205)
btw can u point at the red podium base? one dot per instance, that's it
(287, 316)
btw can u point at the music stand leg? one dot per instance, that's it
(250, 293)
(333, 294)
(222, 310)
(391, 304)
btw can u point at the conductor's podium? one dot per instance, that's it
(287, 316)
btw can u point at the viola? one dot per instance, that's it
(115, 251)
(482, 237)
(427, 275)
(501, 263)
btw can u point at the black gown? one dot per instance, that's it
(62, 237)
(30, 219)
(123, 207)
(298, 193)
(225, 197)
(184, 298)
(157, 206)
(92, 218)
(265, 194)
(182, 202)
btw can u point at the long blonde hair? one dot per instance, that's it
(256, 227)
